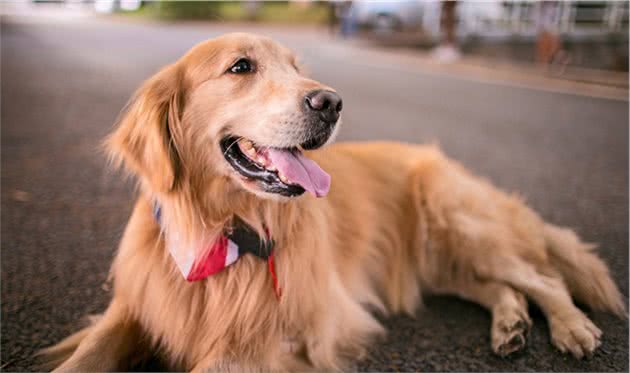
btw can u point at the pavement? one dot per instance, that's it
(64, 80)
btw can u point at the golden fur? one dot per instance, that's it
(399, 221)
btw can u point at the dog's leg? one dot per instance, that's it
(510, 319)
(108, 346)
(571, 331)
(289, 357)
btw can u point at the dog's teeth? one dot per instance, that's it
(271, 167)
(283, 178)
(251, 152)
(247, 144)
(260, 159)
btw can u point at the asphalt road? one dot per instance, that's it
(64, 82)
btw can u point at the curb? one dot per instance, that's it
(571, 80)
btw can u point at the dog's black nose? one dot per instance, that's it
(327, 103)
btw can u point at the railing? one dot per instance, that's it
(572, 19)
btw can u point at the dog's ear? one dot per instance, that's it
(144, 140)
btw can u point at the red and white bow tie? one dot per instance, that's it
(226, 250)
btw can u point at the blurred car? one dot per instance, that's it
(109, 6)
(388, 16)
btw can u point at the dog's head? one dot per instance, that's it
(235, 107)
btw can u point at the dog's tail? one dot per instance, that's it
(51, 357)
(585, 273)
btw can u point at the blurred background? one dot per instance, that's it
(532, 95)
(566, 33)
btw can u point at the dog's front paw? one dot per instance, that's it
(576, 334)
(509, 332)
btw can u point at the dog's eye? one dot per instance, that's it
(242, 66)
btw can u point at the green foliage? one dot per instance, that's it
(263, 11)
(184, 9)
(283, 12)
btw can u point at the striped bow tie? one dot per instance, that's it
(226, 250)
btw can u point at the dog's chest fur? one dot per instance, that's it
(335, 265)
(236, 310)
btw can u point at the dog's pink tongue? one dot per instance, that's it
(301, 170)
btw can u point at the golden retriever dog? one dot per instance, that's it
(234, 135)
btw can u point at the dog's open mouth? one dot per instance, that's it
(286, 171)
